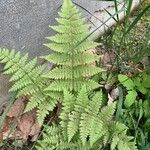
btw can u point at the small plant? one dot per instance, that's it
(136, 113)
(137, 84)
(84, 124)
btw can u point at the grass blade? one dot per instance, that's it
(136, 20)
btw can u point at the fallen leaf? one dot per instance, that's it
(18, 107)
(5, 131)
(108, 58)
(114, 93)
(35, 130)
(25, 123)
(110, 99)
(1, 136)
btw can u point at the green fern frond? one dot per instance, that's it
(27, 80)
(25, 74)
(44, 108)
(84, 125)
(65, 49)
(75, 67)
(66, 72)
(71, 85)
(120, 139)
(74, 63)
(82, 59)
(107, 112)
(68, 106)
(73, 59)
(115, 142)
(66, 29)
(51, 138)
(34, 101)
(90, 120)
(74, 117)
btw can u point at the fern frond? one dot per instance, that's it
(25, 74)
(51, 138)
(34, 101)
(71, 85)
(107, 112)
(84, 125)
(66, 29)
(90, 121)
(120, 139)
(70, 54)
(68, 105)
(114, 143)
(28, 80)
(82, 59)
(74, 23)
(79, 71)
(44, 108)
(75, 68)
(74, 117)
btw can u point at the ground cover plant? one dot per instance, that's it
(95, 107)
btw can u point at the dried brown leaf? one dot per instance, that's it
(25, 123)
(18, 107)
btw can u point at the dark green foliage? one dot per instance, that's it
(139, 84)
(137, 114)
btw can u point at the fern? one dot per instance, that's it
(120, 139)
(53, 140)
(70, 54)
(25, 75)
(81, 120)
(86, 125)
(27, 79)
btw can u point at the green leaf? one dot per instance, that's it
(137, 81)
(143, 90)
(146, 108)
(130, 98)
(146, 81)
(126, 82)
(132, 25)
